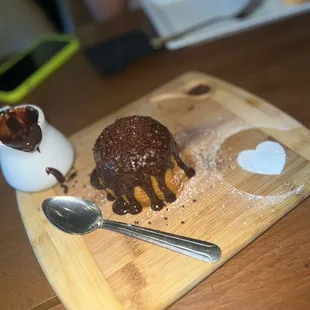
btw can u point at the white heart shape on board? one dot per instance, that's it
(268, 158)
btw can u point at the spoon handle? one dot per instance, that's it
(198, 249)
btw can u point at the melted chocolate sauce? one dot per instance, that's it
(199, 90)
(110, 197)
(72, 176)
(121, 207)
(56, 173)
(95, 181)
(65, 188)
(29, 143)
(128, 153)
(19, 129)
(59, 177)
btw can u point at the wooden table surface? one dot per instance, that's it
(272, 62)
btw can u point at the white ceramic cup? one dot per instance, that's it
(26, 171)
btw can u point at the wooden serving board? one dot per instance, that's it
(224, 203)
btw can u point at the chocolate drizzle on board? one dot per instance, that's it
(19, 129)
(59, 177)
(130, 151)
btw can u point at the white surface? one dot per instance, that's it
(25, 171)
(268, 158)
(172, 16)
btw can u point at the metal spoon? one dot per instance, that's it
(245, 12)
(78, 216)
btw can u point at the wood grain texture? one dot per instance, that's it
(272, 62)
(233, 206)
(50, 303)
(275, 265)
(58, 307)
(66, 261)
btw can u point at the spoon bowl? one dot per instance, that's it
(72, 214)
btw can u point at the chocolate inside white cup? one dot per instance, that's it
(19, 128)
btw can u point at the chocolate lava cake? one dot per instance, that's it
(138, 164)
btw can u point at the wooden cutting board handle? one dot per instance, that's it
(60, 253)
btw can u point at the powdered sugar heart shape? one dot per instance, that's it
(268, 158)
